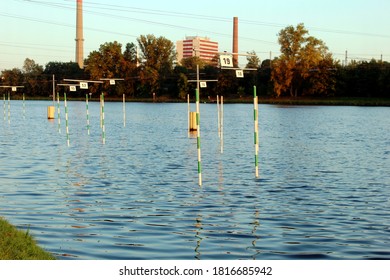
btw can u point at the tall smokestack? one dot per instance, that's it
(79, 35)
(235, 41)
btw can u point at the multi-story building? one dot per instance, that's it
(201, 47)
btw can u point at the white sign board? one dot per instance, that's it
(239, 73)
(203, 84)
(226, 60)
(14, 89)
(112, 82)
(72, 88)
(83, 85)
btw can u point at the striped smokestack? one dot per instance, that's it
(235, 41)
(79, 35)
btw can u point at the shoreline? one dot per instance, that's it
(300, 101)
(16, 244)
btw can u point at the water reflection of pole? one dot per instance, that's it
(199, 228)
(256, 224)
(256, 129)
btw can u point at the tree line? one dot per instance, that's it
(305, 68)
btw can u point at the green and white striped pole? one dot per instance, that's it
(58, 112)
(86, 105)
(198, 137)
(256, 129)
(66, 120)
(103, 125)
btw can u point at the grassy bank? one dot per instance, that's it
(18, 245)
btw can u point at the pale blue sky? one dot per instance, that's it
(44, 30)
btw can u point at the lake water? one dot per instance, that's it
(323, 191)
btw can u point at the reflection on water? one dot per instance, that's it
(323, 191)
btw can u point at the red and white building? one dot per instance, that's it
(201, 47)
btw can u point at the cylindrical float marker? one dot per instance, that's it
(198, 137)
(103, 125)
(256, 130)
(58, 112)
(66, 120)
(50, 112)
(86, 105)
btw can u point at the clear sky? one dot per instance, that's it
(44, 30)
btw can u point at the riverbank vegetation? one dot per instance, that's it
(304, 73)
(19, 245)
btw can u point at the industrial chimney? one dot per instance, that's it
(235, 41)
(79, 35)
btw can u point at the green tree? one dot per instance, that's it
(253, 61)
(107, 62)
(304, 67)
(35, 83)
(64, 70)
(157, 57)
(12, 77)
(192, 62)
(130, 70)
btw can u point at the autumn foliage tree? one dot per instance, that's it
(304, 67)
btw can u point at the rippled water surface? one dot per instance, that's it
(323, 191)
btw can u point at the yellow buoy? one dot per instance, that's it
(50, 112)
(193, 126)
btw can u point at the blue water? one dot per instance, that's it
(323, 191)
